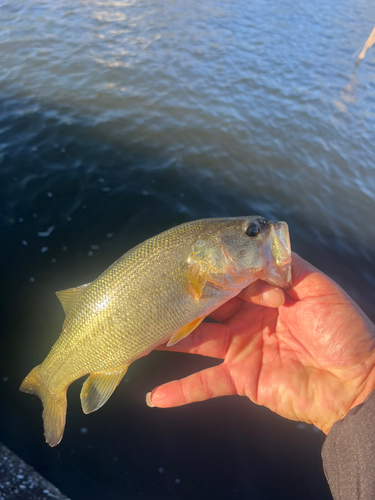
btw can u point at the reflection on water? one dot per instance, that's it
(349, 93)
(121, 119)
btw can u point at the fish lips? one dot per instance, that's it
(279, 276)
(278, 256)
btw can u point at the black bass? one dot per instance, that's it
(158, 292)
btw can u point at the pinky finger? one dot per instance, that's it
(210, 383)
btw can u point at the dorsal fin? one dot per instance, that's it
(69, 296)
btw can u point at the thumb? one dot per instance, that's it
(263, 294)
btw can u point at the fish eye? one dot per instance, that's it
(252, 229)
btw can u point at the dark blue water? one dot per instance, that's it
(119, 119)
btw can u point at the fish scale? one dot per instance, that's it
(158, 291)
(129, 293)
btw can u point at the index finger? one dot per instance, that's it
(209, 339)
(259, 293)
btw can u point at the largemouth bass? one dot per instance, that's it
(157, 292)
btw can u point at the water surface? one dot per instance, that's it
(119, 119)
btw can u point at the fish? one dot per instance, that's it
(158, 292)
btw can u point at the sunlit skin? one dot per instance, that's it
(307, 354)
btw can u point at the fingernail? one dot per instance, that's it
(148, 400)
(273, 297)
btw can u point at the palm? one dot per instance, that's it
(310, 359)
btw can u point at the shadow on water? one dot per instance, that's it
(68, 212)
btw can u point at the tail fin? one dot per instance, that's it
(54, 406)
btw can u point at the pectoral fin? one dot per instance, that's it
(184, 332)
(98, 388)
(196, 280)
(69, 296)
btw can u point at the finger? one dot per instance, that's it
(209, 339)
(225, 312)
(259, 292)
(263, 294)
(207, 384)
(308, 281)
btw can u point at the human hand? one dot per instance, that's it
(308, 356)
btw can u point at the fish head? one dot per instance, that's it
(245, 249)
(260, 249)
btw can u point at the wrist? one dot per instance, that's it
(368, 387)
(359, 391)
(364, 390)
(368, 384)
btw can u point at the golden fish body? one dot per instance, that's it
(158, 291)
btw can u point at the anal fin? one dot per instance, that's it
(185, 331)
(98, 388)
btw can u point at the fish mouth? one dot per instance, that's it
(279, 276)
(278, 255)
